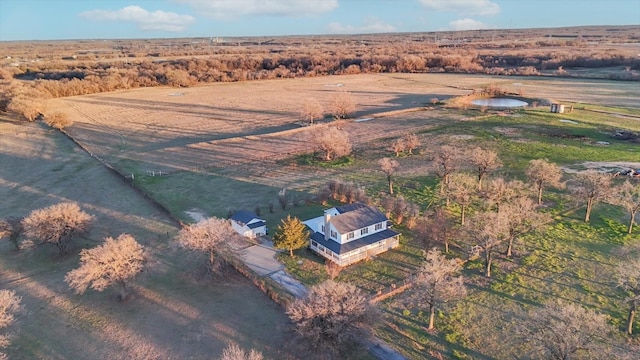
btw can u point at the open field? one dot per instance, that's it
(237, 131)
(240, 151)
(176, 310)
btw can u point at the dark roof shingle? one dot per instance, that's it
(357, 219)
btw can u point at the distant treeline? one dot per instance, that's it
(59, 71)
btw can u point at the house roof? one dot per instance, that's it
(357, 219)
(338, 248)
(350, 207)
(256, 224)
(244, 216)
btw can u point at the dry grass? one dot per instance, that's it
(175, 312)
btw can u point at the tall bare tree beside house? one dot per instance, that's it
(462, 191)
(333, 315)
(389, 167)
(342, 104)
(543, 174)
(592, 186)
(447, 160)
(208, 236)
(312, 111)
(627, 195)
(484, 161)
(116, 261)
(9, 307)
(435, 227)
(436, 283)
(331, 142)
(57, 224)
(562, 331)
(628, 279)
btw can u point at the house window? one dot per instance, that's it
(378, 226)
(313, 243)
(323, 228)
(350, 235)
(364, 231)
(334, 234)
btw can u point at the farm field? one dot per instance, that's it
(237, 132)
(236, 145)
(176, 310)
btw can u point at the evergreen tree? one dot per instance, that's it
(291, 234)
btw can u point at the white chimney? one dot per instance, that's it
(327, 231)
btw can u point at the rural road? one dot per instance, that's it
(261, 258)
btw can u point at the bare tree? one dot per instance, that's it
(11, 228)
(627, 196)
(436, 284)
(500, 191)
(522, 218)
(485, 161)
(389, 167)
(9, 306)
(488, 231)
(399, 210)
(332, 269)
(56, 224)
(447, 161)
(562, 331)
(208, 236)
(543, 174)
(436, 227)
(312, 111)
(462, 190)
(333, 314)
(291, 234)
(411, 142)
(413, 212)
(592, 186)
(388, 203)
(234, 352)
(114, 262)
(331, 142)
(628, 279)
(342, 104)
(398, 146)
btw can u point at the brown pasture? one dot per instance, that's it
(240, 129)
(176, 310)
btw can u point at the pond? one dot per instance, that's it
(499, 102)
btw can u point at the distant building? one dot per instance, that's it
(557, 108)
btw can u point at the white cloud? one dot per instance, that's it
(157, 20)
(222, 9)
(463, 7)
(466, 24)
(369, 25)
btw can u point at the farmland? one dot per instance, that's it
(230, 146)
(177, 311)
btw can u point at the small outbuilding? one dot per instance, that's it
(248, 224)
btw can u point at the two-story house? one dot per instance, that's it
(350, 233)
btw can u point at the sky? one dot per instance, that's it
(123, 19)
